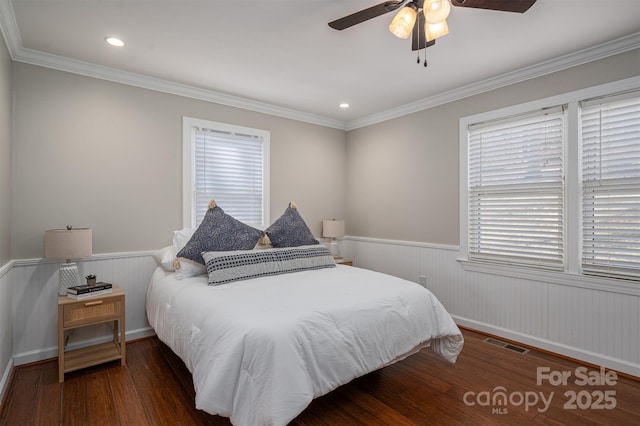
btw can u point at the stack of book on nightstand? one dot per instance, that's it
(84, 291)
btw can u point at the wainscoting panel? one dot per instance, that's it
(594, 326)
(35, 315)
(6, 348)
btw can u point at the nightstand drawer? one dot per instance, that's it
(91, 311)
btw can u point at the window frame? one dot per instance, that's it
(188, 166)
(572, 274)
(481, 136)
(597, 186)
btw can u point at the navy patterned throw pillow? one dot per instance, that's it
(226, 267)
(219, 232)
(289, 230)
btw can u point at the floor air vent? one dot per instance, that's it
(506, 345)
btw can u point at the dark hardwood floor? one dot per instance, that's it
(155, 388)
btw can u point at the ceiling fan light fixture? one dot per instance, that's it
(433, 31)
(402, 24)
(436, 11)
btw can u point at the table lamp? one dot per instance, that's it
(70, 243)
(333, 229)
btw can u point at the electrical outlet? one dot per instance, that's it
(422, 280)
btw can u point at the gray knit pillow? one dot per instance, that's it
(219, 232)
(289, 230)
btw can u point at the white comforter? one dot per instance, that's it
(260, 350)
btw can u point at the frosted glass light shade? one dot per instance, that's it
(436, 11)
(433, 31)
(402, 24)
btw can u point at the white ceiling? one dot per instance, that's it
(282, 52)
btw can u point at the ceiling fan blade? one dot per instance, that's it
(519, 6)
(365, 14)
(419, 40)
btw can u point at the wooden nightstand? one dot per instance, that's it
(94, 310)
(344, 262)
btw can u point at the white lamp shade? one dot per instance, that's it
(68, 243)
(333, 228)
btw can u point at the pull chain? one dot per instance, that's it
(425, 45)
(418, 49)
(425, 52)
(425, 48)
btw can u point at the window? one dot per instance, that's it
(516, 190)
(611, 186)
(229, 164)
(555, 184)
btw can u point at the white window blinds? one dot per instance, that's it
(611, 186)
(229, 168)
(516, 190)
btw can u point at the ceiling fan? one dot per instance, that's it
(425, 20)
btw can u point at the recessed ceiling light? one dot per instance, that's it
(344, 105)
(114, 41)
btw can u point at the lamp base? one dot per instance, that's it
(334, 248)
(68, 276)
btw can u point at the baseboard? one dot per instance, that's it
(576, 354)
(4, 383)
(52, 352)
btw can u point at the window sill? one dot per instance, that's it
(611, 285)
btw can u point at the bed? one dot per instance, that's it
(265, 321)
(261, 349)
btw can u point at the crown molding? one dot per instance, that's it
(580, 57)
(75, 66)
(11, 34)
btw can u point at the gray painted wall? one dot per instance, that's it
(89, 152)
(6, 92)
(6, 276)
(402, 174)
(95, 153)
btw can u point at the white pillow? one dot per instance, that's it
(165, 257)
(188, 268)
(181, 238)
